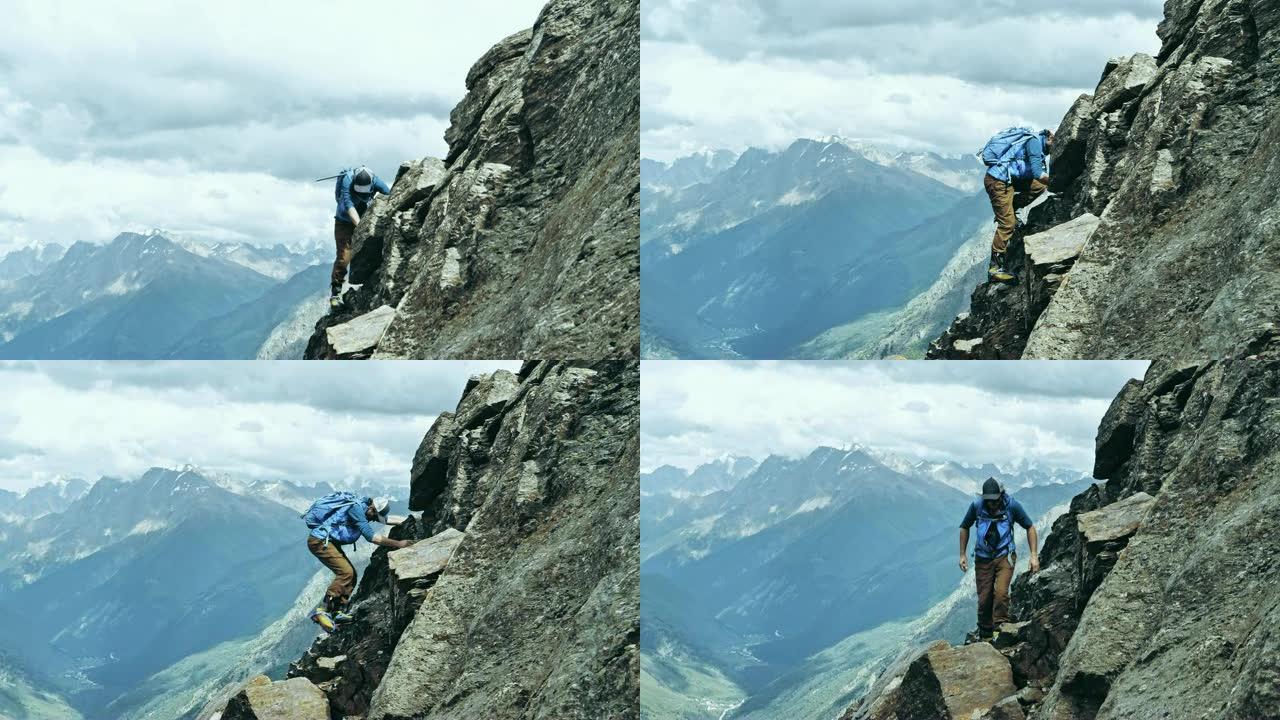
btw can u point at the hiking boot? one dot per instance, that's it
(342, 616)
(335, 302)
(996, 271)
(323, 619)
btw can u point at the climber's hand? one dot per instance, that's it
(1035, 564)
(964, 563)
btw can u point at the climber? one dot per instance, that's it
(994, 555)
(1017, 173)
(353, 191)
(338, 519)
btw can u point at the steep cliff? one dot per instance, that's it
(524, 241)
(1158, 594)
(520, 595)
(1161, 239)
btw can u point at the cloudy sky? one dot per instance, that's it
(298, 421)
(937, 75)
(211, 119)
(975, 412)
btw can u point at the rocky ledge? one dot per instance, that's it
(1182, 259)
(524, 241)
(1157, 596)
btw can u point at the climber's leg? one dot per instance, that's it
(342, 234)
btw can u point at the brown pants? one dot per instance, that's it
(1005, 204)
(993, 591)
(342, 234)
(344, 581)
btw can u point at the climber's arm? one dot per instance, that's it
(387, 542)
(1035, 153)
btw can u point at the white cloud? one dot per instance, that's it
(112, 420)
(165, 109)
(941, 77)
(694, 412)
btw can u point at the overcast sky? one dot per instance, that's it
(1045, 413)
(304, 422)
(211, 119)
(936, 75)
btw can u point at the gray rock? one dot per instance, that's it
(1007, 709)
(524, 241)
(1115, 521)
(485, 397)
(423, 559)
(292, 699)
(1122, 80)
(942, 682)
(1114, 443)
(1061, 244)
(1153, 639)
(359, 336)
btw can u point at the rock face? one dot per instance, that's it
(524, 241)
(1157, 596)
(1185, 259)
(520, 597)
(292, 699)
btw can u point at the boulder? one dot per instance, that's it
(424, 560)
(358, 337)
(484, 398)
(1115, 522)
(1056, 248)
(943, 682)
(1114, 443)
(1122, 80)
(1007, 709)
(293, 699)
(428, 475)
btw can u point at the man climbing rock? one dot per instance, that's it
(1017, 173)
(993, 553)
(338, 519)
(354, 190)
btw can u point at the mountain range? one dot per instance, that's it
(147, 296)
(766, 596)
(827, 248)
(135, 599)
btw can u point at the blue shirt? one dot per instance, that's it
(346, 527)
(1028, 165)
(348, 198)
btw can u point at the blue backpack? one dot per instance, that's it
(1004, 149)
(995, 532)
(326, 510)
